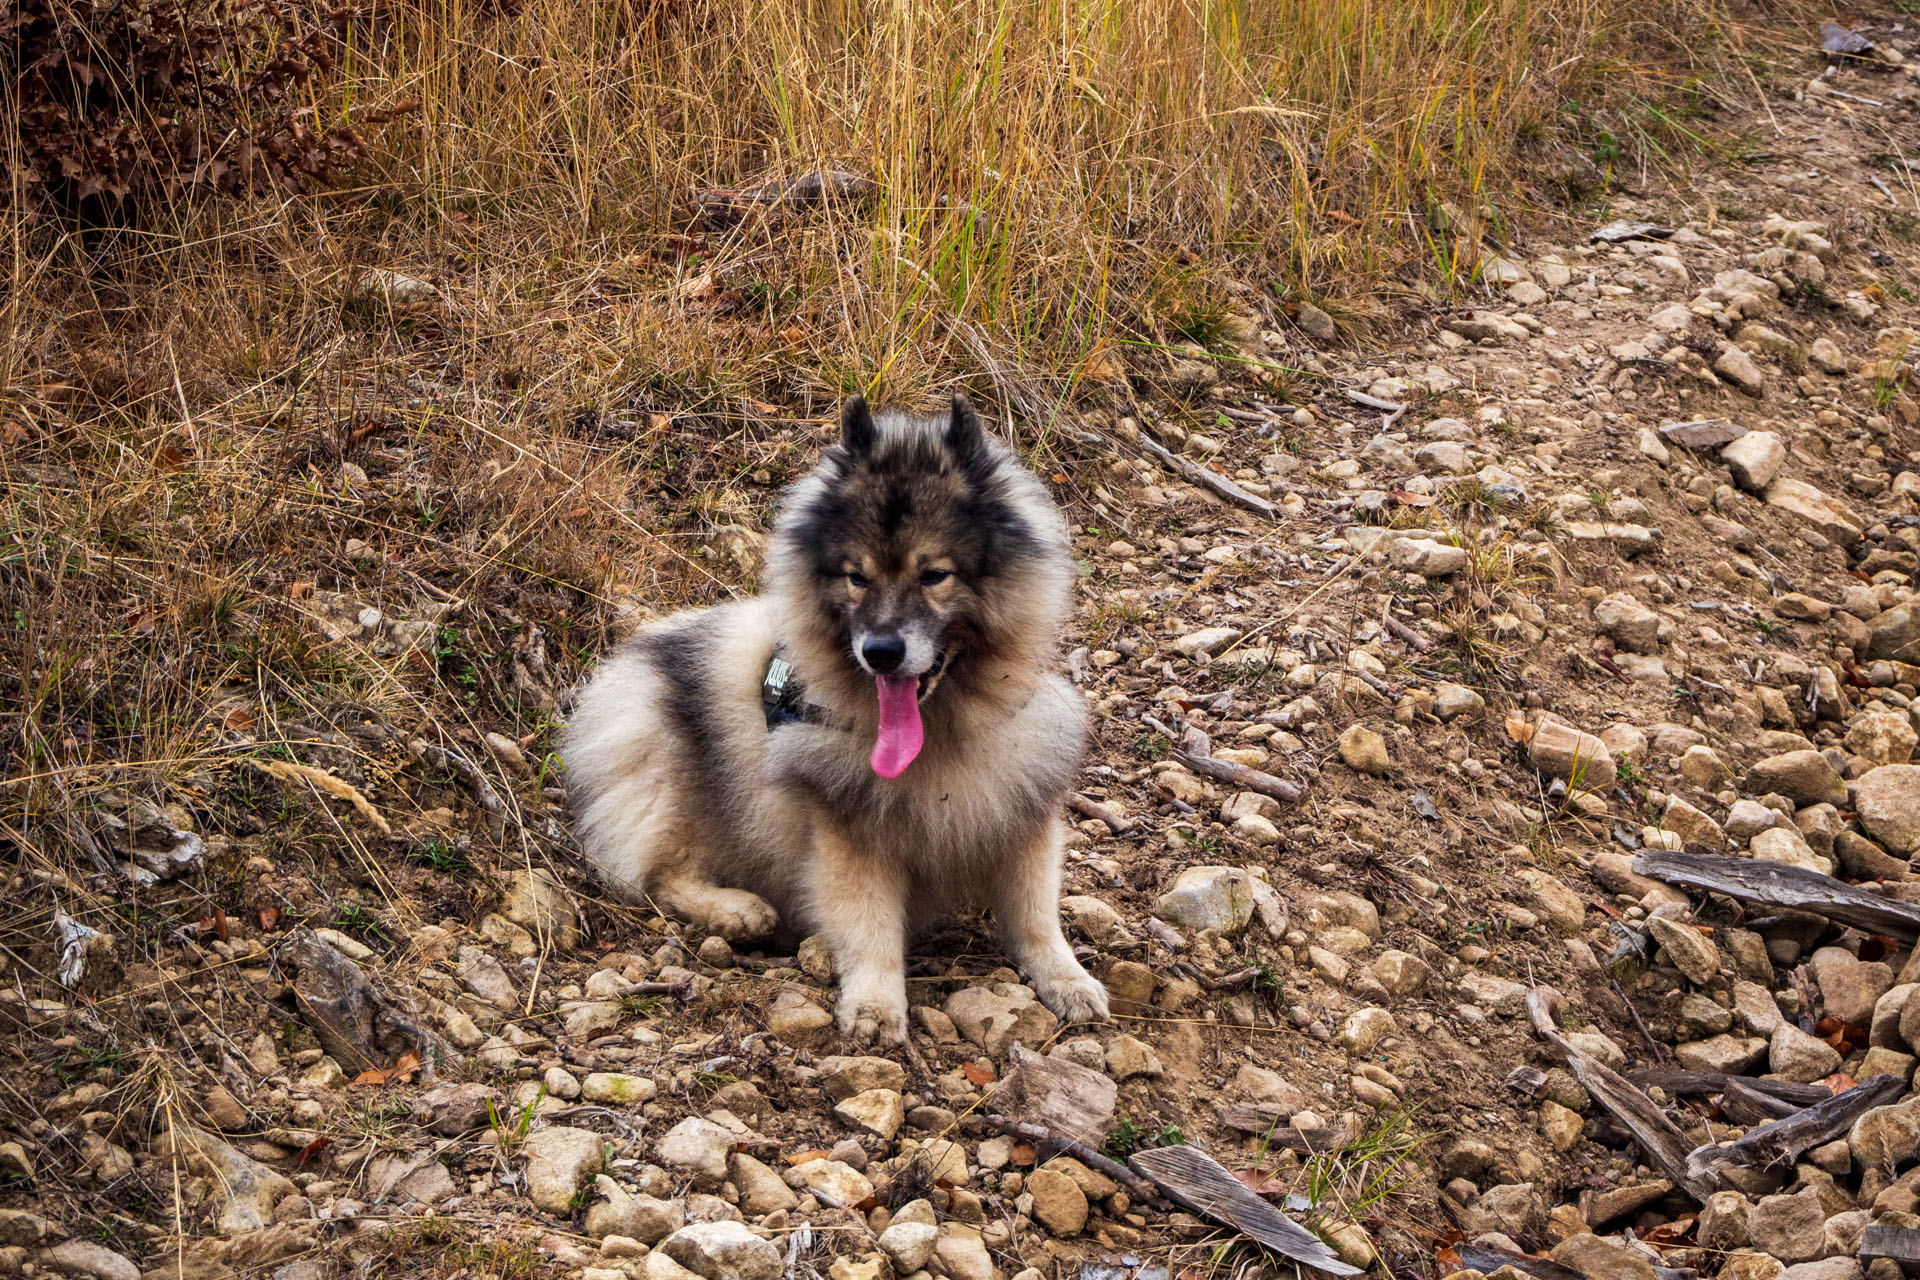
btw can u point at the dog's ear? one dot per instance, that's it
(857, 432)
(963, 433)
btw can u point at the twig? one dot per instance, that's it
(1392, 409)
(1086, 808)
(1646, 1035)
(1213, 480)
(1041, 1136)
(1405, 634)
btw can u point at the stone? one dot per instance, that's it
(1703, 433)
(1687, 948)
(1554, 899)
(1887, 800)
(723, 1250)
(1804, 777)
(879, 1111)
(1702, 768)
(699, 1147)
(842, 1076)
(1755, 1008)
(1058, 1203)
(1128, 1057)
(1849, 987)
(1788, 846)
(1790, 1228)
(20, 1228)
(1207, 641)
(1513, 1209)
(1737, 367)
(1401, 973)
(1560, 1126)
(1426, 557)
(908, 1242)
(1562, 751)
(1826, 356)
(832, 1182)
(1365, 751)
(90, 1261)
(540, 904)
(1456, 702)
(1886, 1136)
(1882, 737)
(961, 1254)
(1222, 899)
(1628, 623)
(1723, 1221)
(793, 1019)
(481, 973)
(1755, 459)
(1831, 517)
(1794, 1055)
(1725, 1053)
(250, 1190)
(641, 1218)
(1599, 1259)
(1317, 325)
(559, 1161)
(999, 1016)
(1364, 1028)
(762, 1191)
(613, 1088)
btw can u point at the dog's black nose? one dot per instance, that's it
(883, 654)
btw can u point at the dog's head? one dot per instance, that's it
(923, 552)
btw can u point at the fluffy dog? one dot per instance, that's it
(876, 741)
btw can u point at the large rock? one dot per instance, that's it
(723, 1251)
(1882, 737)
(1426, 557)
(1795, 1055)
(1849, 986)
(1725, 1053)
(1222, 899)
(909, 1238)
(559, 1161)
(1755, 459)
(1829, 515)
(249, 1189)
(761, 1190)
(1804, 777)
(615, 1088)
(880, 1112)
(642, 1218)
(1631, 625)
(1791, 1228)
(1001, 1015)
(1689, 950)
(1562, 751)
(1058, 1203)
(1886, 1136)
(1599, 1259)
(832, 1182)
(699, 1147)
(87, 1261)
(1888, 802)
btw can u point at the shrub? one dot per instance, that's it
(112, 101)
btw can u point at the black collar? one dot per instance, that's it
(784, 697)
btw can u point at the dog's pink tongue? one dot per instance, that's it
(900, 734)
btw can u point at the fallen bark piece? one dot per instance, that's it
(1488, 1259)
(1206, 479)
(1883, 1240)
(1195, 1179)
(1782, 1141)
(1676, 1080)
(1058, 1095)
(1775, 884)
(722, 206)
(1743, 1105)
(1634, 1110)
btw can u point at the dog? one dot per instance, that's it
(876, 741)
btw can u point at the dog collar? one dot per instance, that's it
(783, 696)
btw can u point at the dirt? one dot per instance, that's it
(431, 849)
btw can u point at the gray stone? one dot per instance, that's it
(1804, 777)
(699, 1147)
(1703, 433)
(1687, 948)
(90, 1261)
(1426, 557)
(559, 1161)
(1791, 1228)
(1888, 802)
(1795, 1055)
(1755, 459)
(999, 1016)
(1628, 623)
(723, 1251)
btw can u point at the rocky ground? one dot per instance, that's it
(1621, 565)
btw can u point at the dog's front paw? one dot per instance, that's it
(739, 916)
(1079, 999)
(873, 1020)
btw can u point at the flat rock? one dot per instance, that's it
(559, 1161)
(1702, 433)
(1829, 515)
(723, 1251)
(1888, 802)
(1001, 1015)
(699, 1147)
(1755, 459)
(1804, 777)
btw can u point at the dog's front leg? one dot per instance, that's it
(1026, 905)
(860, 901)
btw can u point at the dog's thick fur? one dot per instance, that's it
(684, 795)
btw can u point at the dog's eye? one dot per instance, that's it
(934, 577)
(856, 580)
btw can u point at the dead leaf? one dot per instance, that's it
(269, 918)
(238, 720)
(311, 1150)
(801, 1157)
(978, 1074)
(1022, 1154)
(401, 1072)
(1518, 729)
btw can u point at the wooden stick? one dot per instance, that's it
(1781, 1142)
(1041, 1136)
(1207, 479)
(1775, 884)
(1242, 777)
(1086, 808)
